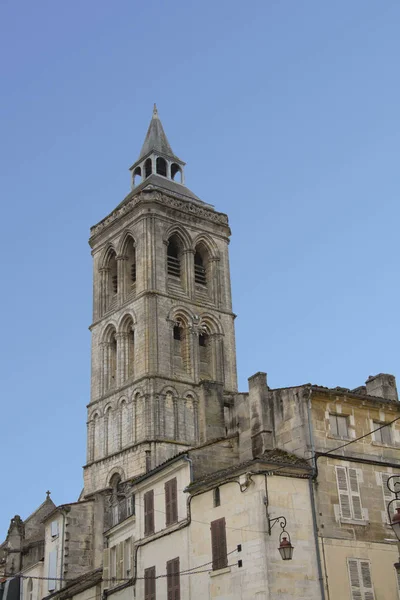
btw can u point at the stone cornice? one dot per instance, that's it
(175, 200)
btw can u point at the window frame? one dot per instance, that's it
(360, 591)
(349, 495)
(173, 579)
(388, 432)
(148, 507)
(150, 583)
(171, 501)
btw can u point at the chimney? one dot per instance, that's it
(382, 386)
(260, 419)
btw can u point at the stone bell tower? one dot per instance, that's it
(163, 345)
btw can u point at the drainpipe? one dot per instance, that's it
(312, 499)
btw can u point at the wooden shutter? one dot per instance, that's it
(173, 580)
(388, 496)
(355, 584)
(171, 502)
(106, 568)
(366, 580)
(52, 570)
(218, 544)
(120, 572)
(343, 491)
(355, 494)
(360, 579)
(149, 512)
(150, 583)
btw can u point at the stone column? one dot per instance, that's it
(121, 278)
(188, 271)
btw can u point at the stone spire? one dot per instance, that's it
(156, 140)
(156, 156)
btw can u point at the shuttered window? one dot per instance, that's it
(149, 513)
(360, 579)
(388, 496)
(52, 570)
(171, 502)
(54, 529)
(349, 493)
(173, 581)
(218, 544)
(339, 426)
(150, 583)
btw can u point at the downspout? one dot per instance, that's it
(312, 499)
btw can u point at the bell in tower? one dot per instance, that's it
(163, 345)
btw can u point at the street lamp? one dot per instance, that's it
(393, 484)
(285, 545)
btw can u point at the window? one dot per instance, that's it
(127, 557)
(176, 171)
(218, 544)
(200, 275)
(349, 493)
(173, 581)
(148, 168)
(161, 166)
(173, 257)
(217, 497)
(360, 579)
(388, 495)
(171, 502)
(149, 512)
(384, 435)
(52, 573)
(150, 583)
(54, 529)
(339, 426)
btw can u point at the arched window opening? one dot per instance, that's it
(130, 265)
(200, 273)
(204, 352)
(216, 497)
(148, 168)
(176, 173)
(131, 352)
(181, 351)
(112, 277)
(113, 360)
(174, 257)
(161, 166)
(137, 176)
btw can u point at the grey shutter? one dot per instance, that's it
(355, 493)
(366, 580)
(355, 584)
(343, 492)
(106, 568)
(52, 570)
(54, 528)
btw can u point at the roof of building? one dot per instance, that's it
(156, 140)
(275, 456)
(160, 182)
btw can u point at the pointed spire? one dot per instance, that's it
(156, 140)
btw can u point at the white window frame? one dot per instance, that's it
(52, 570)
(348, 481)
(54, 529)
(360, 579)
(388, 496)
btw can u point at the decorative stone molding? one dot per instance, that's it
(154, 195)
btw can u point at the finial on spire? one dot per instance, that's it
(48, 495)
(155, 111)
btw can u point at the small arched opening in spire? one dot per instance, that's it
(137, 176)
(161, 166)
(174, 253)
(148, 168)
(204, 355)
(176, 173)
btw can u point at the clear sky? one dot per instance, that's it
(287, 114)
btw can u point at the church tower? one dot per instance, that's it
(163, 344)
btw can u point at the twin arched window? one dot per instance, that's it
(118, 355)
(201, 262)
(118, 280)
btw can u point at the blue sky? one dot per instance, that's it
(287, 114)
